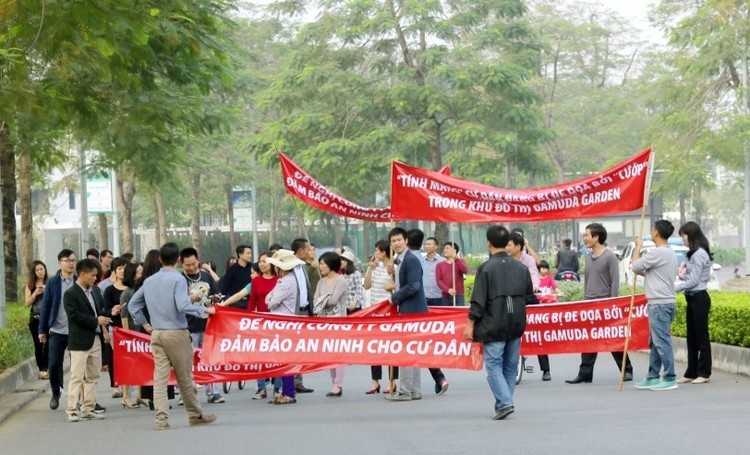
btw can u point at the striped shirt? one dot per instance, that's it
(378, 278)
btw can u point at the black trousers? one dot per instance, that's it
(40, 349)
(698, 341)
(377, 372)
(543, 362)
(588, 360)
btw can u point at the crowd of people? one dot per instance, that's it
(171, 293)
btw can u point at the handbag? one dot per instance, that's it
(322, 306)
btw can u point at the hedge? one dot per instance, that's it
(16, 344)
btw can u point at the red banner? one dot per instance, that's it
(419, 194)
(420, 340)
(134, 364)
(300, 184)
(588, 326)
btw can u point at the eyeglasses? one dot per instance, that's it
(68, 260)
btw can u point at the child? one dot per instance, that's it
(547, 286)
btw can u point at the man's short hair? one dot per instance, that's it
(104, 253)
(454, 245)
(414, 238)
(567, 243)
(395, 232)
(598, 231)
(92, 252)
(664, 228)
(517, 239)
(188, 252)
(241, 249)
(433, 239)
(64, 254)
(87, 265)
(298, 244)
(276, 247)
(169, 253)
(498, 236)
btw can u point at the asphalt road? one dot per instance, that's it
(551, 418)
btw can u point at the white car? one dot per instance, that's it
(626, 275)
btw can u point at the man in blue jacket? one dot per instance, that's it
(53, 322)
(409, 298)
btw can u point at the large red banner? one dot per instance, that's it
(420, 340)
(134, 364)
(300, 184)
(420, 194)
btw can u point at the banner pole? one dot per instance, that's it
(391, 370)
(453, 264)
(646, 191)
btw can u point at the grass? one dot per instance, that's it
(16, 344)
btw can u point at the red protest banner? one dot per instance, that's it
(420, 194)
(134, 364)
(424, 340)
(300, 184)
(587, 326)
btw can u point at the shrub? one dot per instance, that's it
(16, 344)
(468, 288)
(728, 256)
(728, 321)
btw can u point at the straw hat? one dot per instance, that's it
(285, 260)
(349, 256)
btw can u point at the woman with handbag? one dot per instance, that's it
(33, 292)
(331, 300)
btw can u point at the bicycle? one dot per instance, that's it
(522, 367)
(227, 386)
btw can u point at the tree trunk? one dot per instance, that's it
(272, 223)
(337, 234)
(8, 182)
(101, 219)
(195, 226)
(125, 187)
(27, 222)
(682, 209)
(230, 219)
(368, 244)
(161, 218)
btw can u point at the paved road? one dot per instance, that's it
(551, 418)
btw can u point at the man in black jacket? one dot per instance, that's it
(497, 317)
(86, 326)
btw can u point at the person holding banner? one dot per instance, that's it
(659, 267)
(601, 281)
(516, 243)
(283, 299)
(331, 298)
(497, 317)
(376, 279)
(449, 275)
(409, 298)
(165, 295)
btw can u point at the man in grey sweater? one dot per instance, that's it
(659, 267)
(601, 281)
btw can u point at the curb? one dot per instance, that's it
(732, 359)
(19, 386)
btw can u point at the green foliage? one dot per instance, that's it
(468, 287)
(572, 291)
(728, 256)
(16, 344)
(728, 322)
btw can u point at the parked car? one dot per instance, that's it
(626, 275)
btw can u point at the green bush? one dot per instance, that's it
(728, 322)
(468, 288)
(16, 344)
(728, 256)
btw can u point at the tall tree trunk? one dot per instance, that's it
(682, 209)
(230, 219)
(368, 244)
(101, 219)
(436, 160)
(161, 218)
(125, 187)
(8, 182)
(272, 223)
(337, 234)
(195, 209)
(27, 222)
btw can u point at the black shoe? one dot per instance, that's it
(54, 402)
(546, 376)
(99, 409)
(503, 413)
(628, 377)
(302, 389)
(579, 380)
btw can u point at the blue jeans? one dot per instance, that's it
(57, 345)
(660, 318)
(501, 363)
(448, 301)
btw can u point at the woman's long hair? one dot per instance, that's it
(151, 265)
(32, 274)
(696, 239)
